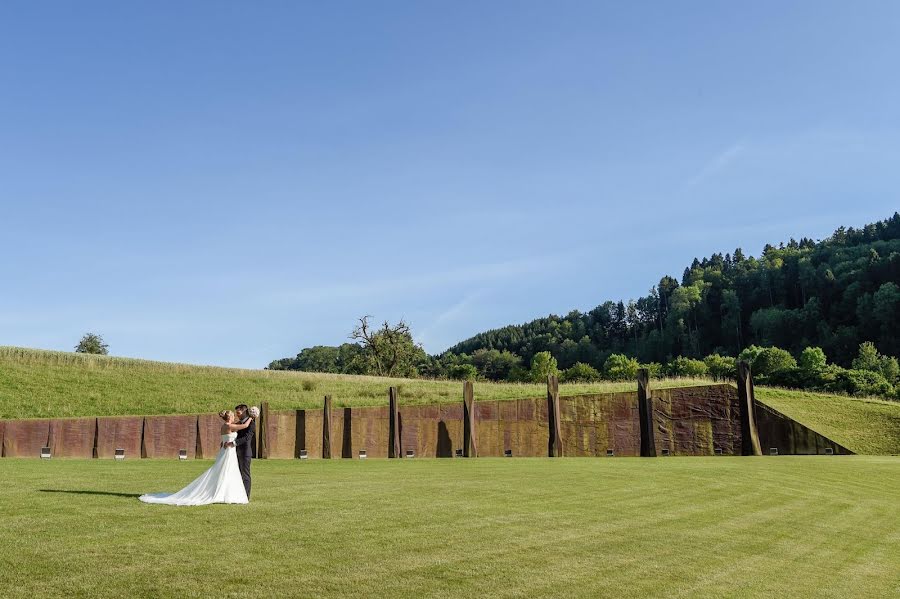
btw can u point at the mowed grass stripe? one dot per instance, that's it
(730, 527)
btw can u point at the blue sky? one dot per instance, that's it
(226, 183)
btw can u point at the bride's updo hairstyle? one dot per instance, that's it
(226, 415)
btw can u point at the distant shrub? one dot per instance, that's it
(619, 367)
(871, 360)
(309, 385)
(859, 382)
(813, 359)
(682, 366)
(543, 364)
(794, 378)
(580, 373)
(721, 367)
(655, 370)
(463, 372)
(766, 360)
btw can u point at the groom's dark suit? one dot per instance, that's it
(245, 447)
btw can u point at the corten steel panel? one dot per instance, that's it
(281, 434)
(341, 433)
(311, 436)
(624, 428)
(597, 423)
(789, 436)
(487, 429)
(209, 435)
(533, 428)
(571, 412)
(697, 420)
(450, 430)
(25, 438)
(622, 431)
(419, 430)
(508, 421)
(370, 431)
(73, 437)
(122, 432)
(164, 436)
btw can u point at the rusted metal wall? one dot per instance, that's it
(686, 421)
(209, 435)
(310, 432)
(281, 433)
(371, 431)
(487, 429)
(593, 424)
(419, 428)
(777, 431)
(73, 437)
(697, 420)
(164, 436)
(119, 432)
(25, 438)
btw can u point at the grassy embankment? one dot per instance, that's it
(40, 384)
(678, 527)
(863, 425)
(35, 383)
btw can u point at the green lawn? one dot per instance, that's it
(622, 527)
(42, 384)
(862, 425)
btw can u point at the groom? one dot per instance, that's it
(245, 445)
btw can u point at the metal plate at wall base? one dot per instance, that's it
(362, 454)
(410, 453)
(507, 453)
(120, 454)
(304, 454)
(829, 451)
(610, 453)
(459, 453)
(665, 452)
(718, 451)
(182, 454)
(45, 453)
(773, 451)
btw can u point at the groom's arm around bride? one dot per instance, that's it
(245, 445)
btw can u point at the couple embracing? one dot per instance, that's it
(228, 479)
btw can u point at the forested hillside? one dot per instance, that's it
(834, 294)
(806, 314)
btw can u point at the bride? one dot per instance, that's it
(221, 483)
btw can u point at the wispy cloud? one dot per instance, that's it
(450, 314)
(718, 163)
(408, 284)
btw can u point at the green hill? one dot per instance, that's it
(43, 384)
(862, 425)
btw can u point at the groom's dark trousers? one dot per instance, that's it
(245, 448)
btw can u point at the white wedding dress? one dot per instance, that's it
(220, 484)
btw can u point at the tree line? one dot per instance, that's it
(838, 296)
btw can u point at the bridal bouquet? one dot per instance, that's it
(253, 411)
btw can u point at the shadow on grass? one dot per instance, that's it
(90, 492)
